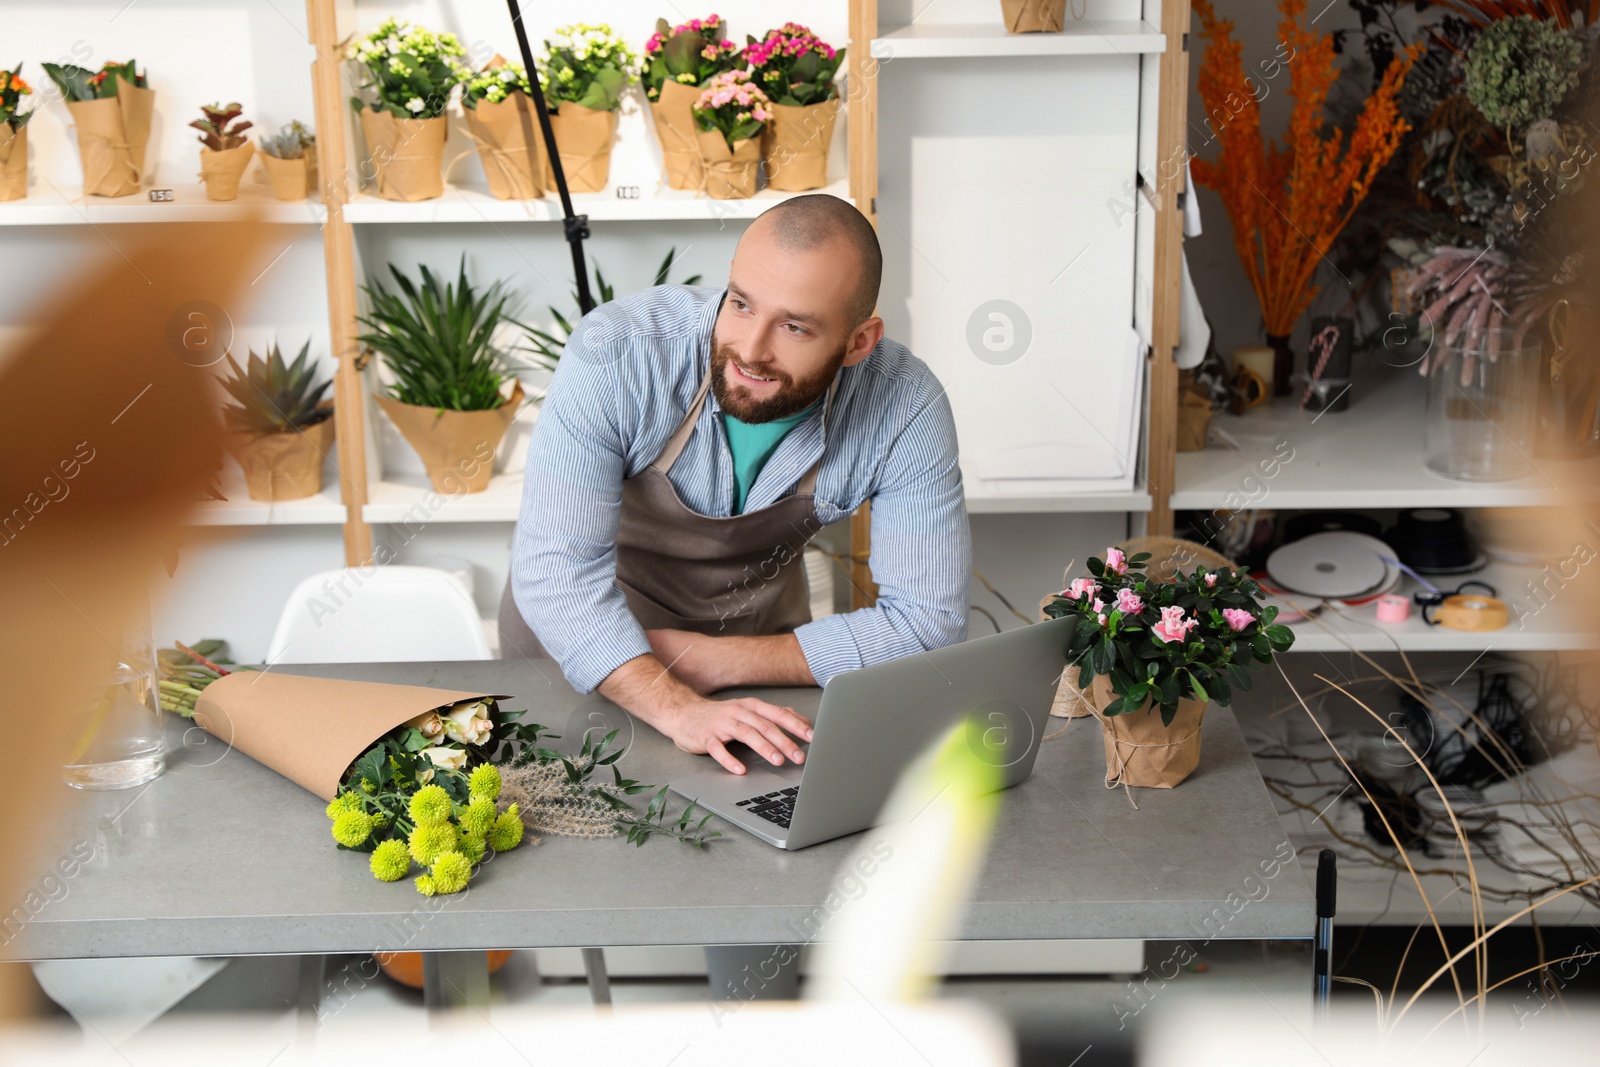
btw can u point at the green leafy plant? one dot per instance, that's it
(1519, 69)
(78, 83)
(410, 70)
(1199, 635)
(291, 142)
(437, 340)
(12, 90)
(547, 346)
(690, 54)
(587, 65)
(793, 66)
(273, 396)
(495, 84)
(216, 133)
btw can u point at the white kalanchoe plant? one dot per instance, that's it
(411, 70)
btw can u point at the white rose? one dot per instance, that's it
(429, 723)
(452, 759)
(468, 723)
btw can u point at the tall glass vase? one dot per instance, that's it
(119, 739)
(1481, 407)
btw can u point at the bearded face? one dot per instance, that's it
(763, 392)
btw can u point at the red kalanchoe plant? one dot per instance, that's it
(793, 66)
(216, 132)
(1197, 636)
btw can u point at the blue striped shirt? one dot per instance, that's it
(625, 381)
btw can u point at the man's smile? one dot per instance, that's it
(750, 377)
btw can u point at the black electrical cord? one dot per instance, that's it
(577, 226)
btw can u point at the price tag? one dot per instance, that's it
(627, 192)
(161, 196)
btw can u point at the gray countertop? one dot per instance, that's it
(221, 856)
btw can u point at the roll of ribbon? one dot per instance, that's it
(1258, 360)
(1393, 608)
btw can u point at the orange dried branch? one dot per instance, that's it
(1287, 202)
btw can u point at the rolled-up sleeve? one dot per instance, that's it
(921, 556)
(564, 553)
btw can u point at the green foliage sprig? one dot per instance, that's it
(78, 84)
(1519, 69)
(1199, 636)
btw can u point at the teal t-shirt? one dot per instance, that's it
(752, 444)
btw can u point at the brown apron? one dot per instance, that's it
(680, 570)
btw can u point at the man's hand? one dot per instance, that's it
(707, 664)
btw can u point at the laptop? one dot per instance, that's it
(873, 722)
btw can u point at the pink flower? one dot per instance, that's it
(1116, 562)
(1102, 618)
(1238, 618)
(1081, 587)
(1211, 581)
(1173, 627)
(1098, 605)
(1129, 602)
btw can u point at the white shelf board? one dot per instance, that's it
(1549, 628)
(1369, 456)
(405, 498)
(47, 205)
(979, 503)
(462, 203)
(1080, 37)
(240, 510)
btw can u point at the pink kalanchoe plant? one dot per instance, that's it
(794, 66)
(691, 54)
(1198, 636)
(732, 105)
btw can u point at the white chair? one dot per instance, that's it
(379, 615)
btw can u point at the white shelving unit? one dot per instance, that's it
(1079, 37)
(462, 203)
(49, 205)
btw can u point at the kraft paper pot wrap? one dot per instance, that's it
(730, 172)
(457, 447)
(675, 129)
(283, 466)
(222, 170)
(794, 145)
(583, 137)
(407, 155)
(510, 146)
(1033, 16)
(1140, 749)
(311, 729)
(112, 134)
(290, 178)
(1071, 699)
(13, 162)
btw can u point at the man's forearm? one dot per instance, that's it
(774, 660)
(644, 687)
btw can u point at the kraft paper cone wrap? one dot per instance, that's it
(407, 155)
(13, 162)
(283, 466)
(1033, 16)
(1140, 750)
(1071, 699)
(675, 129)
(730, 172)
(311, 729)
(112, 134)
(290, 178)
(222, 170)
(510, 145)
(457, 447)
(794, 145)
(583, 137)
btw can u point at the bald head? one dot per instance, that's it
(806, 223)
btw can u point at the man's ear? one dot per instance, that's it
(863, 340)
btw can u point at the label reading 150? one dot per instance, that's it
(161, 196)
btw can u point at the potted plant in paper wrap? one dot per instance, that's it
(731, 113)
(678, 60)
(111, 111)
(410, 73)
(796, 71)
(585, 69)
(13, 134)
(1034, 16)
(448, 398)
(224, 152)
(290, 159)
(280, 429)
(1153, 653)
(504, 123)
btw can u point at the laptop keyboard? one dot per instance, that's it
(777, 807)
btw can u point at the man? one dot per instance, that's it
(692, 442)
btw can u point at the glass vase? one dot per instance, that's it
(120, 737)
(1481, 407)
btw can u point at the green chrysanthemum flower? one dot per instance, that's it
(506, 833)
(472, 847)
(485, 781)
(379, 820)
(430, 805)
(426, 842)
(451, 871)
(342, 803)
(424, 885)
(477, 817)
(352, 828)
(390, 861)
(367, 786)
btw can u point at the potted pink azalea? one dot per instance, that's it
(730, 114)
(1142, 645)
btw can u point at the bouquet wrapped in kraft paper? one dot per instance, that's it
(583, 137)
(796, 70)
(585, 69)
(730, 115)
(678, 60)
(503, 122)
(13, 134)
(1143, 750)
(407, 155)
(111, 112)
(1034, 16)
(402, 113)
(457, 447)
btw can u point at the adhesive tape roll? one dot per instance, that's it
(1473, 614)
(1393, 608)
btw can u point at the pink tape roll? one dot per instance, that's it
(1393, 608)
